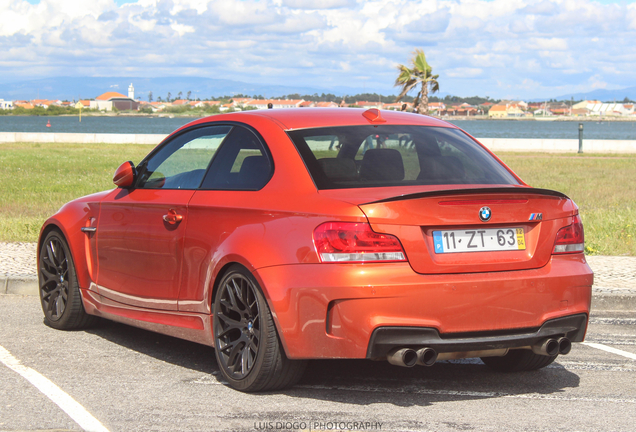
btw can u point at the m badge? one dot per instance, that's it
(536, 217)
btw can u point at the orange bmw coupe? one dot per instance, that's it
(279, 236)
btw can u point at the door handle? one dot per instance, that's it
(172, 217)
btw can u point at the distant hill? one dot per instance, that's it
(600, 94)
(74, 88)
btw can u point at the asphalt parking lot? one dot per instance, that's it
(125, 379)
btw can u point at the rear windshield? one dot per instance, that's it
(377, 156)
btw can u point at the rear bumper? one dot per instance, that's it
(384, 339)
(333, 310)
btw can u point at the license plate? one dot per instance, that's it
(479, 240)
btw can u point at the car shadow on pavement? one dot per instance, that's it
(169, 349)
(362, 382)
(367, 382)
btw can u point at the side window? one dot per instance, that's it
(241, 164)
(182, 163)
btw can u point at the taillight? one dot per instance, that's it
(570, 239)
(355, 242)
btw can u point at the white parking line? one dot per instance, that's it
(74, 410)
(611, 350)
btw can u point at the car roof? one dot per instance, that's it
(303, 118)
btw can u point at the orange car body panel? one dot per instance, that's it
(142, 271)
(330, 310)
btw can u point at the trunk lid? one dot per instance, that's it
(414, 219)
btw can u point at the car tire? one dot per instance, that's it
(247, 347)
(59, 290)
(518, 360)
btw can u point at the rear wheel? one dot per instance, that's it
(59, 290)
(247, 348)
(518, 360)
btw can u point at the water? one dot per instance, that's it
(624, 130)
(612, 130)
(115, 124)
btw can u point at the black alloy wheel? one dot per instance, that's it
(238, 329)
(247, 348)
(59, 290)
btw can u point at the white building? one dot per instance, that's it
(597, 108)
(276, 103)
(6, 105)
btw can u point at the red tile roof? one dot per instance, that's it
(498, 108)
(110, 95)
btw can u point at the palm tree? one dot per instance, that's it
(420, 73)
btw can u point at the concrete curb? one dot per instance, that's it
(600, 301)
(613, 302)
(20, 286)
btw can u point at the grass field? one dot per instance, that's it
(603, 186)
(36, 179)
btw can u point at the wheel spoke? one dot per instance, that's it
(245, 360)
(234, 355)
(48, 276)
(230, 307)
(50, 254)
(231, 296)
(53, 299)
(48, 287)
(46, 295)
(225, 332)
(227, 347)
(238, 295)
(59, 306)
(231, 323)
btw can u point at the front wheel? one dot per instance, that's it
(518, 360)
(59, 290)
(247, 348)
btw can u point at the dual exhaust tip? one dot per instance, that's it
(408, 357)
(552, 346)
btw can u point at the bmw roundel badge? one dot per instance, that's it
(485, 214)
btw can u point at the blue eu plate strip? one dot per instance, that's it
(439, 245)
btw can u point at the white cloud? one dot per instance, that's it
(475, 45)
(550, 44)
(596, 82)
(318, 4)
(464, 72)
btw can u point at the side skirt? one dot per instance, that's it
(183, 325)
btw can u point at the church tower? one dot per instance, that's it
(131, 92)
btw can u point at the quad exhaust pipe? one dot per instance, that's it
(405, 357)
(408, 357)
(552, 346)
(565, 345)
(426, 357)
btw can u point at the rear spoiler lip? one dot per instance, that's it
(472, 191)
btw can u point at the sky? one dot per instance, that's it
(497, 48)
